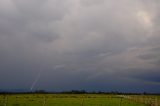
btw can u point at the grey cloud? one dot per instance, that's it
(79, 43)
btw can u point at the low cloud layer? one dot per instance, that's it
(78, 44)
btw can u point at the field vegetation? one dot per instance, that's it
(77, 100)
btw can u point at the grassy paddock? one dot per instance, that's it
(151, 100)
(68, 100)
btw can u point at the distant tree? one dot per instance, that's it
(40, 91)
(144, 93)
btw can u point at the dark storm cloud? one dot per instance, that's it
(79, 44)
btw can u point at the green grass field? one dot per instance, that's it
(66, 100)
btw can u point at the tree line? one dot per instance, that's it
(77, 92)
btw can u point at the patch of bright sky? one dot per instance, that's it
(144, 18)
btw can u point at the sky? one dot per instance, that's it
(56, 45)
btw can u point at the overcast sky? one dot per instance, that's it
(80, 44)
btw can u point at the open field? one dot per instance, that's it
(76, 100)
